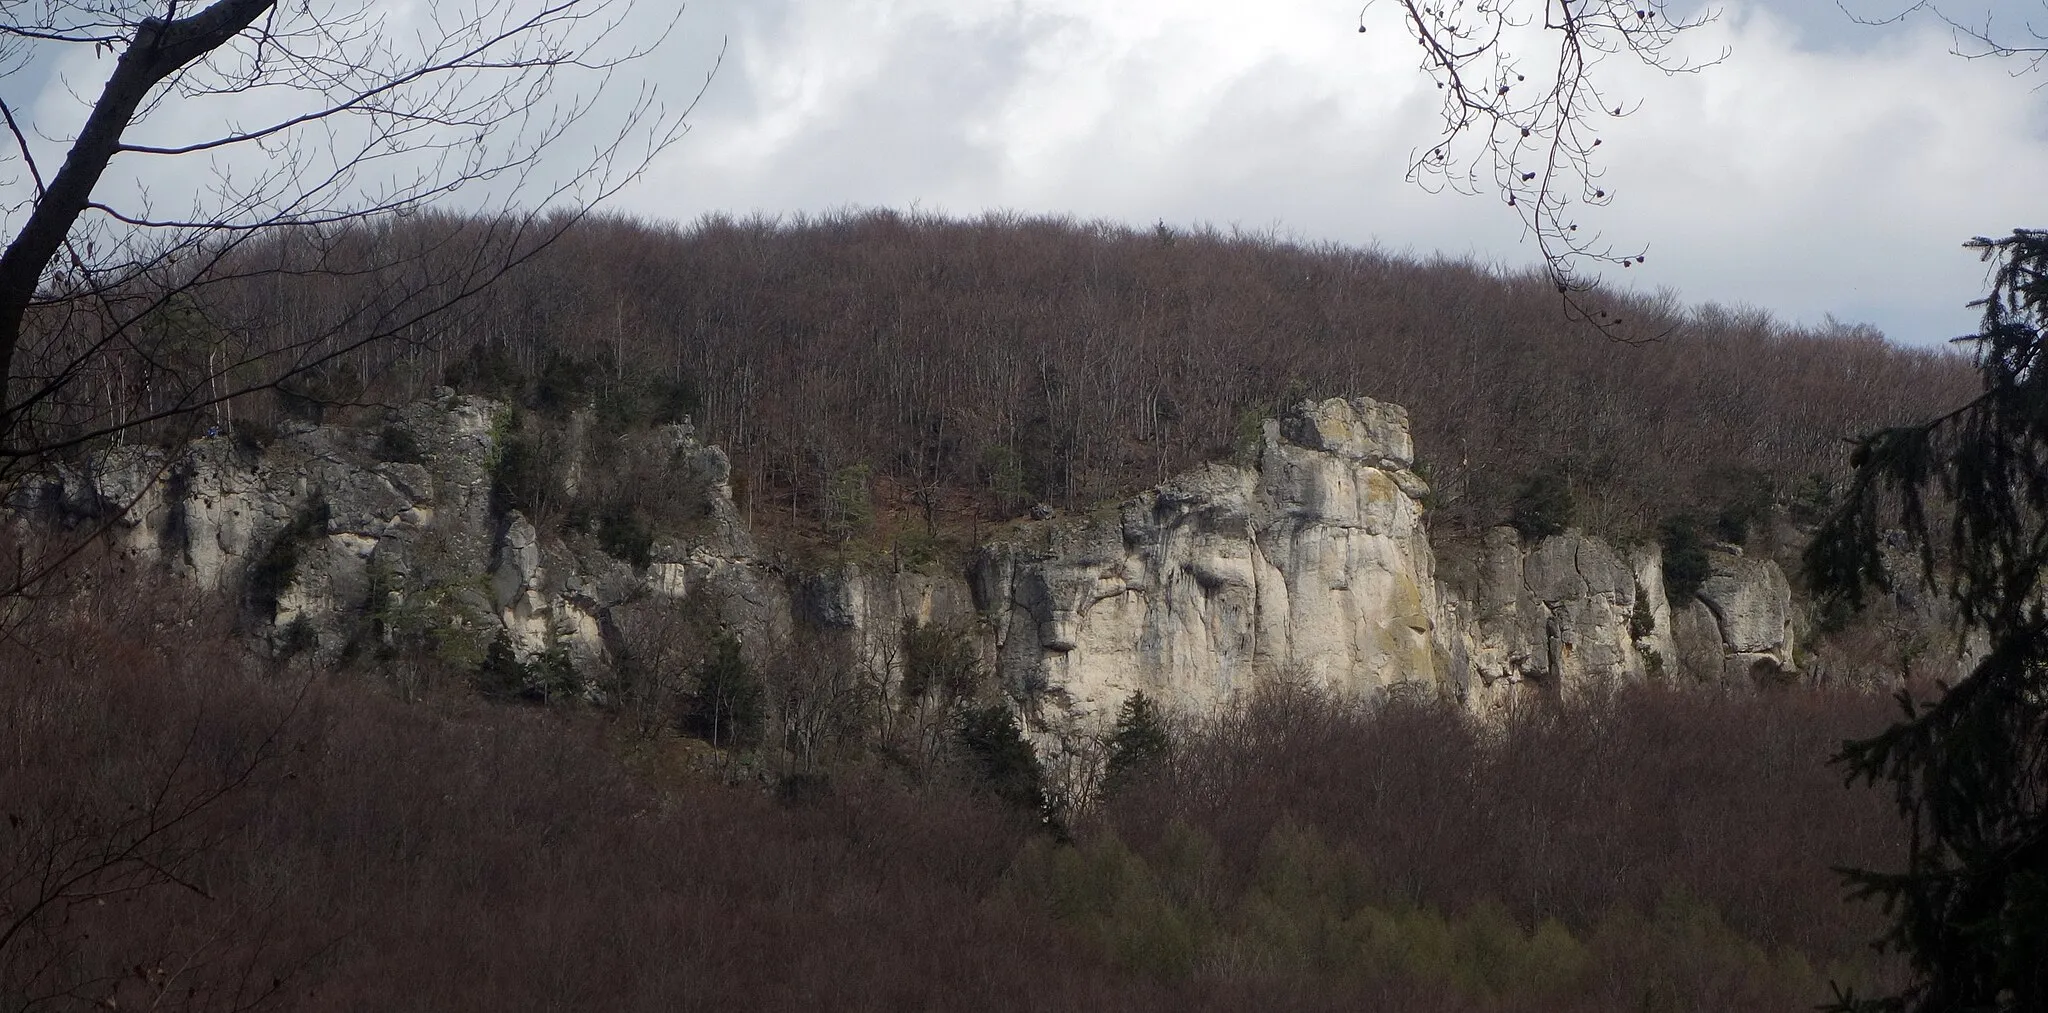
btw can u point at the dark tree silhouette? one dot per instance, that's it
(1138, 743)
(999, 753)
(1969, 492)
(729, 706)
(1543, 507)
(137, 292)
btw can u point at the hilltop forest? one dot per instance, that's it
(974, 368)
(195, 821)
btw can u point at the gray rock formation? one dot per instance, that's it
(1313, 563)
(1752, 606)
(1565, 615)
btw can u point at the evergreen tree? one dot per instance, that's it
(1970, 767)
(1544, 506)
(554, 677)
(1006, 762)
(501, 674)
(1139, 741)
(1685, 559)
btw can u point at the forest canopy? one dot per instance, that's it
(992, 363)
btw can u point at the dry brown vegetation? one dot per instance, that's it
(964, 369)
(1029, 359)
(190, 826)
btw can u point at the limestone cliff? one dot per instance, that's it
(1566, 614)
(1312, 563)
(1310, 560)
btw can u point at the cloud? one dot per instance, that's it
(1815, 172)
(1837, 181)
(1825, 168)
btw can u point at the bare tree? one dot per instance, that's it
(332, 122)
(161, 235)
(1522, 101)
(1979, 38)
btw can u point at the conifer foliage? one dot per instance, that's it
(1006, 762)
(1139, 742)
(1969, 490)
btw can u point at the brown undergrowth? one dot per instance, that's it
(187, 827)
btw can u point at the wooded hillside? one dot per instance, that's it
(1047, 360)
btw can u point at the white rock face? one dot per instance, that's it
(518, 587)
(1314, 564)
(1752, 605)
(341, 533)
(1563, 616)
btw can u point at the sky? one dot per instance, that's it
(1824, 169)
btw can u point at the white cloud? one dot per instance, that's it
(1825, 168)
(1812, 173)
(340, 162)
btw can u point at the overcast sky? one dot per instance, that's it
(1825, 168)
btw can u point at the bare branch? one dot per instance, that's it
(115, 314)
(1523, 125)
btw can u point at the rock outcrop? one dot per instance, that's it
(1751, 603)
(1565, 615)
(1311, 561)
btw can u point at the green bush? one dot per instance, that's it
(849, 506)
(1110, 894)
(522, 477)
(251, 436)
(1248, 434)
(1553, 962)
(1813, 499)
(1543, 507)
(1002, 470)
(1746, 499)
(1483, 953)
(1045, 454)
(939, 660)
(624, 533)
(636, 401)
(555, 679)
(549, 678)
(563, 386)
(489, 370)
(501, 675)
(398, 445)
(1642, 620)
